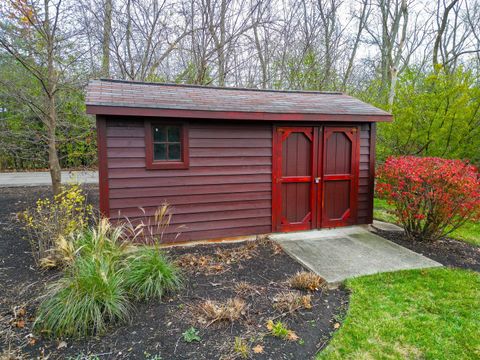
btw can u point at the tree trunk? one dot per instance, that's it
(53, 162)
(395, 64)
(440, 31)
(107, 31)
(361, 25)
(51, 115)
(261, 58)
(220, 44)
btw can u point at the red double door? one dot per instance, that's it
(315, 177)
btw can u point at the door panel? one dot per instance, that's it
(295, 202)
(337, 198)
(339, 178)
(338, 146)
(293, 178)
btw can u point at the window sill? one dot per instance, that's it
(167, 165)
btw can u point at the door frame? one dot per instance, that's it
(317, 199)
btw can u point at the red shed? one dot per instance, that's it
(234, 162)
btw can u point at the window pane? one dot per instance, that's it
(159, 133)
(174, 152)
(159, 152)
(173, 133)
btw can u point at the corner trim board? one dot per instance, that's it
(373, 137)
(103, 165)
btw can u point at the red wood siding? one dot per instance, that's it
(226, 191)
(366, 176)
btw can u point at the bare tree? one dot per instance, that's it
(389, 35)
(332, 35)
(443, 19)
(34, 38)
(143, 37)
(365, 9)
(397, 53)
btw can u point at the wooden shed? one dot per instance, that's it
(234, 162)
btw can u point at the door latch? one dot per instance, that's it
(317, 180)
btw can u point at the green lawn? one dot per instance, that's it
(417, 314)
(469, 233)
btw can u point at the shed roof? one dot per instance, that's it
(117, 97)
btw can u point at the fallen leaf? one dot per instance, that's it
(270, 325)
(20, 324)
(31, 339)
(21, 312)
(336, 326)
(292, 336)
(62, 345)
(258, 349)
(306, 302)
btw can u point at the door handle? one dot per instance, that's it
(317, 180)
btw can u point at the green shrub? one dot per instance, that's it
(84, 301)
(149, 274)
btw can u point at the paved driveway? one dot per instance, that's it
(42, 178)
(342, 253)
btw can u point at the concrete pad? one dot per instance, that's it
(348, 252)
(380, 225)
(41, 178)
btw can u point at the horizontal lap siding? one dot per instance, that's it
(226, 191)
(364, 192)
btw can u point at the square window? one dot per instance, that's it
(167, 146)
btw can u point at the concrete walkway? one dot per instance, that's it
(343, 253)
(41, 178)
(381, 225)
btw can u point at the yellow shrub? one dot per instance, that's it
(52, 221)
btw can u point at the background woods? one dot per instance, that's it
(419, 59)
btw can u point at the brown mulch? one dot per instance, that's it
(448, 252)
(254, 272)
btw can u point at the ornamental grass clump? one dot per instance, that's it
(104, 273)
(149, 274)
(431, 196)
(84, 301)
(103, 241)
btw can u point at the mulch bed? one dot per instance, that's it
(448, 252)
(211, 272)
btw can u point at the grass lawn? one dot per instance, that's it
(469, 233)
(417, 314)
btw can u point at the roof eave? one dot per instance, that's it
(232, 115)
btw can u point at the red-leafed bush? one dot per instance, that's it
(432, 196)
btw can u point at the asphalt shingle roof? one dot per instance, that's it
(116, 93)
